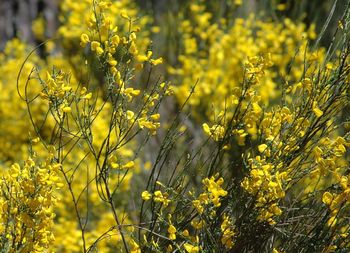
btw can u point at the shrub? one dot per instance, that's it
(245, 150)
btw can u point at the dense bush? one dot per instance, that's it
(205, 128)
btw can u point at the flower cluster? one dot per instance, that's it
(27, 205)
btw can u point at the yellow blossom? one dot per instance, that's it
(327, 198)
(156, 62)
(128, 165)
(172, 232)
(190, 248)
(84, 39)
(318, 112)
(146, 195)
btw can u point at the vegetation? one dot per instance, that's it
(206, 128)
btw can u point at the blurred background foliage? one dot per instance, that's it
(18, 16)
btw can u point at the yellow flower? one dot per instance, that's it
(67, 109)
(142, 58)
(88, 96)
(129, 114)
(190, 248)
(256, 108)
(172, 232)
(206, 129)
(156, 62)
(132, 92)
(99, 50)
(135, 247)
(160, 197)
(332, 221)
(36, 140)
(318, 112)
(112, 62)
(185, 233)
(262, 148)
(197, 204)
(216, 132)
(133, 49)
(84, 39)
(327, 198)
(155, 116)
(95, 45)
(115, 40)
(146, 195)
(123, 14)
(128, 165)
